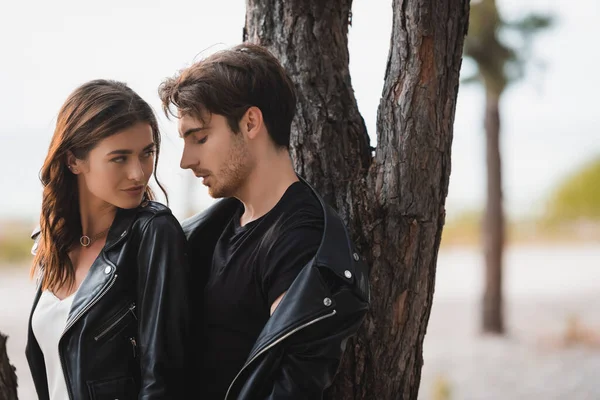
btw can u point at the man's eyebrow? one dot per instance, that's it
(192, 130)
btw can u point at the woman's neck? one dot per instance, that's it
(96, 215)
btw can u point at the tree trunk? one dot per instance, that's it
(393, 202)
(8, 378)
(493, 230)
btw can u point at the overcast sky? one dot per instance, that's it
(549, 121)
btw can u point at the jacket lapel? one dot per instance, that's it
(102, 272)
(307, 300)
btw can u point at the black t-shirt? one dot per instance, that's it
(252, 266)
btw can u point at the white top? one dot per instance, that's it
(48, 323)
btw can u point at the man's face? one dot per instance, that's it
(215, 153)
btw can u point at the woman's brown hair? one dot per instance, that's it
(93, 112)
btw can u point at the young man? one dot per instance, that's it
(280, 286)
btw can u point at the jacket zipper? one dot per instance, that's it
(275, 342)
(109, 328)
(133, 345)
(75, 319)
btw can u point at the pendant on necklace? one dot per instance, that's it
(85, 241)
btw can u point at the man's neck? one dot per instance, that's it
(266, 185)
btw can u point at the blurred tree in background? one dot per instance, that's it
(498, 65)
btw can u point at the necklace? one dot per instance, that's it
(86, 240)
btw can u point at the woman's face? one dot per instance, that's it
(118, 169)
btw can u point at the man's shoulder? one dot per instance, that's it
(302, 202)
(215, 216)
(299, 219)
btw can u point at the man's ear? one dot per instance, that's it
(252, 122)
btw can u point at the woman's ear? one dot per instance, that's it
(72, 163)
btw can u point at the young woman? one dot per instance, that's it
(110, 316)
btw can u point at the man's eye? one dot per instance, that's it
(149, 153)
(118, 160)
(202, 141)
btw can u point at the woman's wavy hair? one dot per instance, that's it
(93, 112)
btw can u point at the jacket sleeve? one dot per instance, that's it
(163, 318)
(303, 365)
(309, 363)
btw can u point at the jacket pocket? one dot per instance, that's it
(113, 389)
(116, 323)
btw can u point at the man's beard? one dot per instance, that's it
(234, 173)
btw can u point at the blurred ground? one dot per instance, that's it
(547, 289)
(552, 295)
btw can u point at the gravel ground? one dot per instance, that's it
(547, 289)
(531, 362)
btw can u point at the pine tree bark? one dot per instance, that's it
(392, 201)
(493, 231)
(8, 377)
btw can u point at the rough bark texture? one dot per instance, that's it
(493, 232)
(393, 202)
(8, 378)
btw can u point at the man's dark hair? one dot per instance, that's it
(231, 81)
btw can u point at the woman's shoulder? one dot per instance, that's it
(154, 229)
(154, 207)
(153, 214)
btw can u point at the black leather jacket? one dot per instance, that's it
(298, 352)
(128, 328)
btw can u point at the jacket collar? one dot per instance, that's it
(120, 227)
(336, 252)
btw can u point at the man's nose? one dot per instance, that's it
(186, 160)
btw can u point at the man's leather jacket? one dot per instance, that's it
(299, 350)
